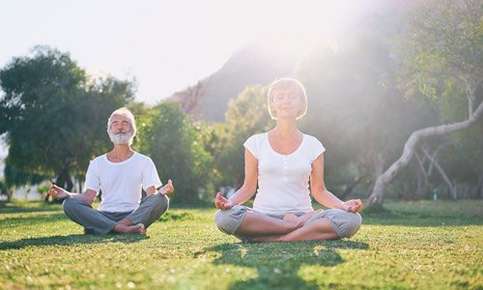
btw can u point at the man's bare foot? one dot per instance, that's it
(133, 229)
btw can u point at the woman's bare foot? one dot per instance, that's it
(275, 238)
(290, 217)
(133, 229)
(293, 221)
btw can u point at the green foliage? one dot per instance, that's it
(171, 139)
(54, 116)
(355, 106)
(247, 115)
(443, 48)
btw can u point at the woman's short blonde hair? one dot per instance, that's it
(292, 85)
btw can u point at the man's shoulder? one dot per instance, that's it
(99, 158)
(142, 157)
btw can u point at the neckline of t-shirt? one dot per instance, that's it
(122, 162)
(285, 155)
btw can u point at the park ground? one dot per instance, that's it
(411, 245)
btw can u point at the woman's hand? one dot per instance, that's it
(222, 202)
(353, 205)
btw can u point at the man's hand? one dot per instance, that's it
(353, 205)
(222, 202)
(167, 188)
(57, 192)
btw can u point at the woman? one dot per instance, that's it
(284, 161)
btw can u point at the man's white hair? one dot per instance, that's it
(126, 113)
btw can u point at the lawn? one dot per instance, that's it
(413, 245)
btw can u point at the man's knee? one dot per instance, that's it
(70, 205)
(160, 203)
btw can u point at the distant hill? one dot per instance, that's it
(254, 64)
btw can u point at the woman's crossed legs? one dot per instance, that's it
(249, 225)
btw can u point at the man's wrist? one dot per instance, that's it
(232, 202)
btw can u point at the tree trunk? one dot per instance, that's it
(451, 187)
(480, 183)
(377, 195)
(422, 178)
(64, 180)
(9, 195)
(421, 184)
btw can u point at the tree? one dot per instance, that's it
(247, 115)
(355, 107)
(443, 47)
(172, 140)
(54, 115)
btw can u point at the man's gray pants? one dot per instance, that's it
(100, 222)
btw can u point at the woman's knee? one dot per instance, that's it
(221, 220)
(351, 222)
(228, 220)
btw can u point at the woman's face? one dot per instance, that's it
(286, 103)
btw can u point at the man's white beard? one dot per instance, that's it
(121, 138)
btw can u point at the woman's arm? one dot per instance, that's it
(248, 188)
(322, 195)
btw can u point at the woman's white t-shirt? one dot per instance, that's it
(283, 179)
(121, 182)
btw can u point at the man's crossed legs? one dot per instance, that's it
(100, 222)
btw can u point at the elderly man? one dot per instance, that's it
(120, 174)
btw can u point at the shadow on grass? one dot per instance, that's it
(27, 206)
(419, 219)
(70, 240)
(32, 220)
(277, 264)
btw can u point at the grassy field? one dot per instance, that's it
(413, 245)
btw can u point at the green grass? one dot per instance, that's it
(422, 245)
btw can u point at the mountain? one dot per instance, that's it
(258, 63)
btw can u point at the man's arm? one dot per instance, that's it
(58, 192)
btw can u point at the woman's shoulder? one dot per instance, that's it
(257, 137)
(311, 138)
(254, 143)
(314, 143)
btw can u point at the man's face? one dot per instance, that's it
(120, 131)
(120, 125)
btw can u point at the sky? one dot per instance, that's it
(165, 45)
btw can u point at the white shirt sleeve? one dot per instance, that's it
(317, 149)
(93, 180)
(150, 175)
(251, 144)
